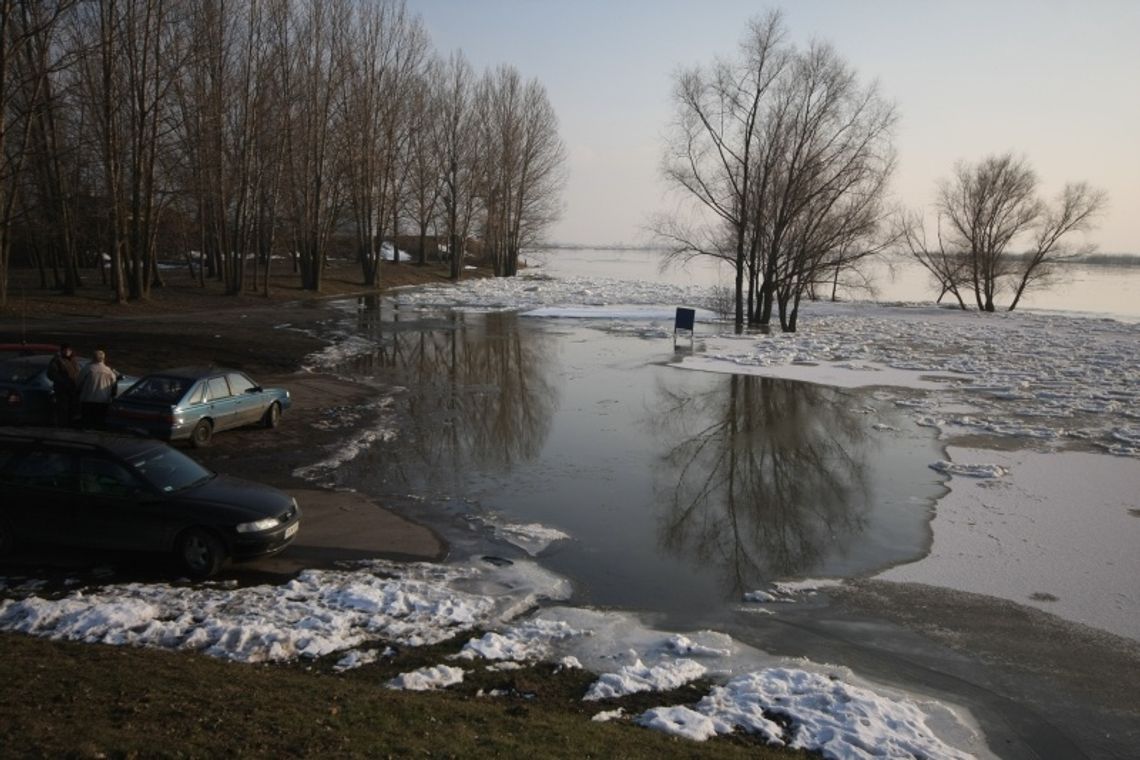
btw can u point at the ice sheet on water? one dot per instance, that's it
(969, 470)
(533, 538)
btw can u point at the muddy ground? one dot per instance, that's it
(186, 324)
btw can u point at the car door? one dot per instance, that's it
(249, 401)
(41, 495)
(225, 408)
(122, 511)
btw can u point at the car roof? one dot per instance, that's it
(192, 373)
(121, 444)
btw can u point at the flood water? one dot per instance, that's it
(680, 491)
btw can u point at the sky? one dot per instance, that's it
(1054, 81)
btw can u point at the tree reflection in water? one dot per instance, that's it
(763, 478)
(478, 391)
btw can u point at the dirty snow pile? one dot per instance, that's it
(825, 709)
(316, 614)
(344, 614)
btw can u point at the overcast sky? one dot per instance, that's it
(1057, 81)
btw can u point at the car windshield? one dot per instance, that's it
(160, 388)
(169, 469)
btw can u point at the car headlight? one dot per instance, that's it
(266, 523)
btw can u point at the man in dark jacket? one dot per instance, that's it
(63, 371)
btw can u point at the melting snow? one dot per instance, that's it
(428, 679)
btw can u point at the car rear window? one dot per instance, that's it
(158, 388)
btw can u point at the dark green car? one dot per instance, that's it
(123, 493)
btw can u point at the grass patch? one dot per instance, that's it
(67, 699)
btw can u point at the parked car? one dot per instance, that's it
(193, 403)
(26, 392)
(116, 492)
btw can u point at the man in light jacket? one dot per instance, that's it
(96, 389)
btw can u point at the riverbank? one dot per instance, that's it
(185, 322)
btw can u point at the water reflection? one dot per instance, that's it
(761, 478)
(680, 490)
(480, 392)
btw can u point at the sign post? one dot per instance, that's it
(685, 320)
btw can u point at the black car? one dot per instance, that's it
(116, 492)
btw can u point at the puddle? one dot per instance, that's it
(681, 491)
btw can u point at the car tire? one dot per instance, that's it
(272, 416)
(200, 553)
(201, 434)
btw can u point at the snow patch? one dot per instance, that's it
(428, 678)
(630, 679)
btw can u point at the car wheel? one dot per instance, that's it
(272, 417)
(200, 553)
(201, 434)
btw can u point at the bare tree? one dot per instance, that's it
(309, 78)
(523, 163)
(788, 157)
(457, 151)
(987, 209)
(387, 50)
(710, 154)
(35, 179)
(424, 170)
(129, 57)
(824, 204)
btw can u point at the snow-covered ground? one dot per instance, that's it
(1048, 518)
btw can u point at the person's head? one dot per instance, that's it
(100, 356)
(65, 349)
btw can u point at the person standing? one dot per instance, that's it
(96, 389)
(63, 371)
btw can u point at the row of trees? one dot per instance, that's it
(244, 128)
(782, 160)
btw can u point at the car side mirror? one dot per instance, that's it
(254, 389)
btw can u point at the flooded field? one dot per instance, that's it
(679, 492)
